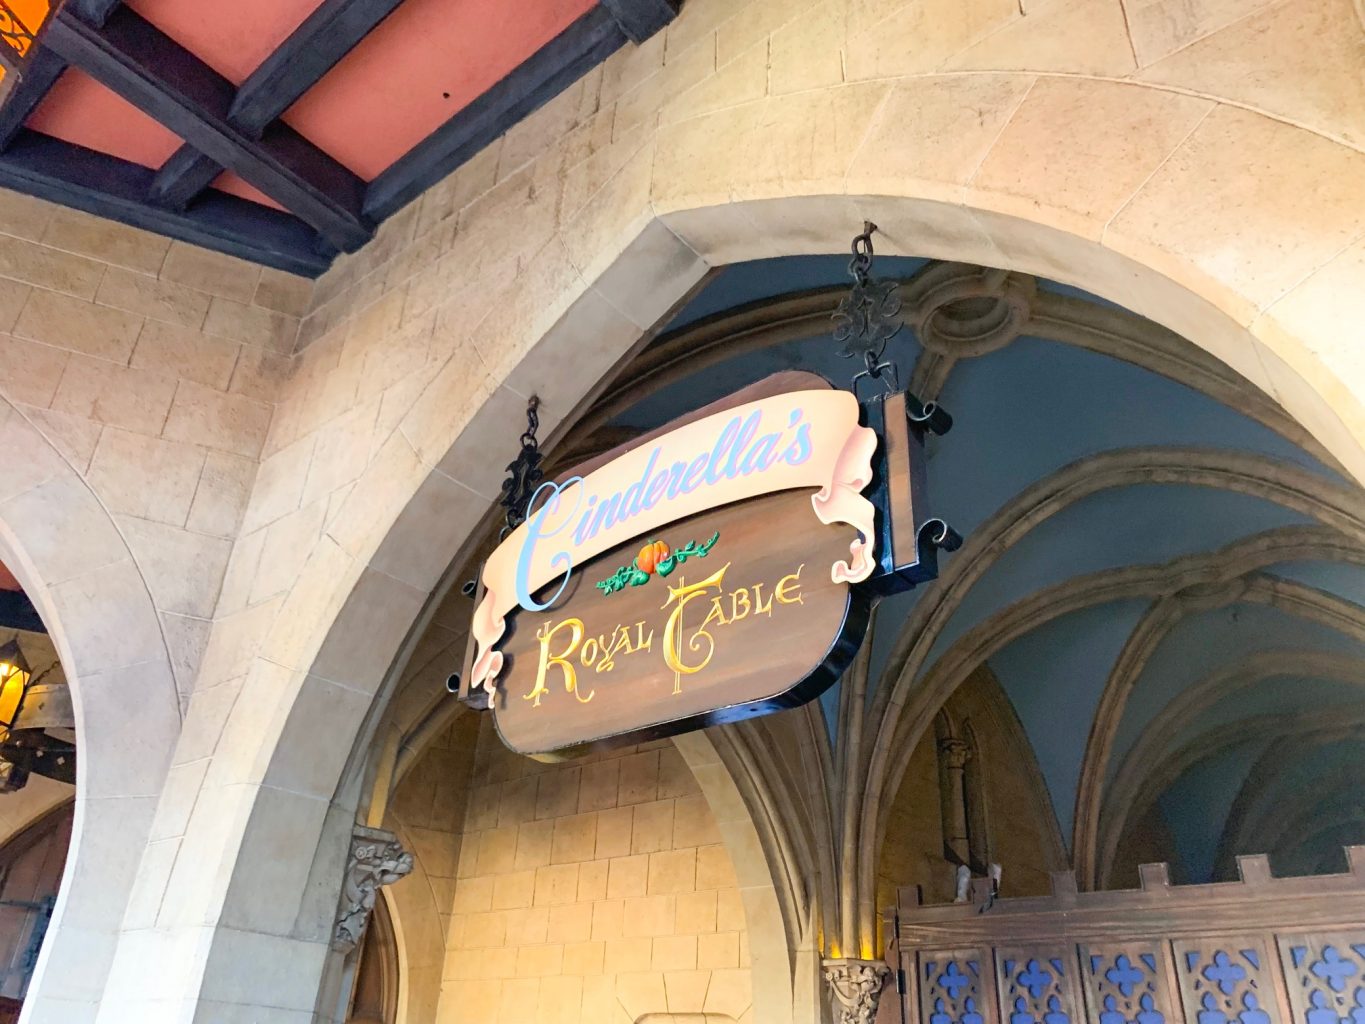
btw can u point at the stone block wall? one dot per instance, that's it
(152, 366)
(427, 813)
(592, 892)
(1054, 136)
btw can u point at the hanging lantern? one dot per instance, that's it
(15, 676)
(21, 21)
(29, 706)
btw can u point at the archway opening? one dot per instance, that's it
(37, 788)
(1112, 472)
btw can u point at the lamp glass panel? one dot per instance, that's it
(13, 679)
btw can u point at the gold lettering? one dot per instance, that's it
(735, 604)
(684, 594)
(792, 581)
(620, 645)
(759, 607)
(561, 661)
(642, 642)
(716, 615)
(589, 652)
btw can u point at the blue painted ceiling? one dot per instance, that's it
(1020, 414)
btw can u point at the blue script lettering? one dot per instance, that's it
(534, 527)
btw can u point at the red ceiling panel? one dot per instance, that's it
(81, 111)
(427, 61)
(234, 185)
(232, 38)
(7, 580)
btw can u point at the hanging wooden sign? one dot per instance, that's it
(714, 570)
(717, 622)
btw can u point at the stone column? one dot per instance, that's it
(855, 987)
(954, 754)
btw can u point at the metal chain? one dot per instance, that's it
(523, 473)
(528, 439)
(869, 316)
(861, 264)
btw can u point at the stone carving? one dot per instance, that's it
(956, 753)
(856, 986)
(962, 311)
(377, 858)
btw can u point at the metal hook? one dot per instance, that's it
(528, 439)
(884, 372)
(861, 264)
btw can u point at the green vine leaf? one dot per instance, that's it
(633, 576)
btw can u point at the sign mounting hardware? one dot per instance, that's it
(720, 567)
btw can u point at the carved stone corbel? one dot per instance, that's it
(377, 858)
(855, 987)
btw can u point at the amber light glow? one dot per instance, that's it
(14, 679)
(20, 22)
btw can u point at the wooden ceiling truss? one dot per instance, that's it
(223, 127)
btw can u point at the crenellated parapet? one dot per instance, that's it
(1260, 950)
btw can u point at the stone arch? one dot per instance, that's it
(900, 712)
(825, 160)
(1269, 796)
(1122, 796)
(1147, 636)
(1219, 568)
(1232, 569)
(64, 548)
(1262, 728)
(419, 939)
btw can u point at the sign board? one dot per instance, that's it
(711, 571)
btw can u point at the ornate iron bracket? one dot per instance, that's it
(869, 316)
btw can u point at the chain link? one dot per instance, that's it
(523, 473)
(528, 439)
(861, 264)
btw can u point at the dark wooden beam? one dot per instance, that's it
(96, 12)
(640, 19)
(333, 30)
(182, 177)
(44, 68)
(156, 74)
(17, 612)
(313, 49)
(553, 68)
(106, 186)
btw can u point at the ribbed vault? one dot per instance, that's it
(1280, 543)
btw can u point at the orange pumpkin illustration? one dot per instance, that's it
(651, 555)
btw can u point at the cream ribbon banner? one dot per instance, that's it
(795, 440)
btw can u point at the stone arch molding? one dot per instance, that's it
(1090, 850)
(820, 163)
(1136, 783)
(74, 565)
